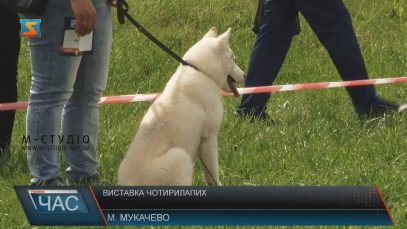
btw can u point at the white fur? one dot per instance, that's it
(183, 123)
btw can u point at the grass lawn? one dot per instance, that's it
(317, 138)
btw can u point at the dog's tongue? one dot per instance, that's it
(232, 86)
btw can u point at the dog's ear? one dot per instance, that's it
(224, 38)
(212, 33)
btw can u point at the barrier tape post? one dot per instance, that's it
(249, 90)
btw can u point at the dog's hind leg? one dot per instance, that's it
(208, 153)
(174, 167)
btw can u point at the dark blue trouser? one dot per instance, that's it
(9, 50)
(331, 22)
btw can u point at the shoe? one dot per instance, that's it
(383, 107)
(90, 180)
(256, 117)
(57, 181)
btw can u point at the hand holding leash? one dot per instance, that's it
(85, 15)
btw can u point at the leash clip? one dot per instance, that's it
(122, 8)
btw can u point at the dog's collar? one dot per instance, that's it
(185, 63)
(230, 79)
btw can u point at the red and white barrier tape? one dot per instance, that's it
(249, 90)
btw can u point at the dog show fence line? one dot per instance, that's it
(120, 99)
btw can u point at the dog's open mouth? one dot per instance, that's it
(232, 86)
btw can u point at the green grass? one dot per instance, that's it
(318, 139)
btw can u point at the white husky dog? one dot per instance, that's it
(183, 123)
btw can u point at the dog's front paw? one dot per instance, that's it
(218, 183)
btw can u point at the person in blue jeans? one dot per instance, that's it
(63, 110)
(331, 22)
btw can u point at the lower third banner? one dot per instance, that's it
(262, 206)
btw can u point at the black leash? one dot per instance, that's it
(122, 12)
(209, 172)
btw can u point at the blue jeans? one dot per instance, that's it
(331, 22)
(64, 94)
